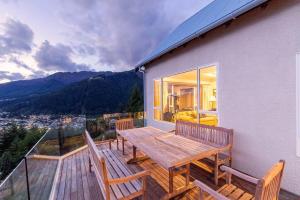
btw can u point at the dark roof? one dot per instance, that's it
(213, 15)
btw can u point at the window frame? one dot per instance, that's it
(153, 100)
(298, 104)
(216, 65)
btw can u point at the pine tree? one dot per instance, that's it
(6, 137)
(135, 103)
(5, 164)
(22, 132)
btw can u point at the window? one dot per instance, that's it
(180, 97)
(208, 96)
(177, 97)
(157, 100)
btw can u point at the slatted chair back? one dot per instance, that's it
(214, 136)
(269, 186)
(124, 124)
(99, 165)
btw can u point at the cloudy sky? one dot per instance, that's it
(41, 37)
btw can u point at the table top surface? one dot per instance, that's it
(167, 149)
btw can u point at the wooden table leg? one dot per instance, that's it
(216, 169)
(123, 146)
(171, 173)
(185, 170)
(136, 159)
(117, 143)
(134, 152)
(187, 175)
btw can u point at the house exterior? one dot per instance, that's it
(234, 64)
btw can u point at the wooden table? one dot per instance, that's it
(173, 152)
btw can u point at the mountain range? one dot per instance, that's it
(70, 93)
(25, 88)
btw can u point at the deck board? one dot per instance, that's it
(79, 178)
(76, 182)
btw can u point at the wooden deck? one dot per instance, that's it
(76, 182)
(40, 174)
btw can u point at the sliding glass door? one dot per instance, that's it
(177, 97)
(208, 96)
(180, 97)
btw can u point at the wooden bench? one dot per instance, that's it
(123, 124)
(267, 188)
(116, 181)
(218, 137)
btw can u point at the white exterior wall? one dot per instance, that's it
(256, 89)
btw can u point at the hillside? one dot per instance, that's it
(105, 93)
(25, 88)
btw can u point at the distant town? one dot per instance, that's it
(39, 121)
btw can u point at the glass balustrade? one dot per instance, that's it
(35, 174)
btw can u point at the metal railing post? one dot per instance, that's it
(27, 179)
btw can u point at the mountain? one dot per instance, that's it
(25, 88)
(104, 93)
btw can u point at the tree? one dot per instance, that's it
(15, 141)
(135, 102)
(22, 132)
(14, 149)
(5, 164)
(6, 137)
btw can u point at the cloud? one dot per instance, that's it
(8, 1)
(16, 37)
(121, 32)
(57, 58)
(100, 34)
(20, 63)
(11, 76)
(38, 74)
(84, 49)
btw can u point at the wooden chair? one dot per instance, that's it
(116, 181)
(123, 124)
(219, 137)
(267, 188)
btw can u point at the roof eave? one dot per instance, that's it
(218, 23)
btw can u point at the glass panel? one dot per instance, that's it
(157, 114)
(157, 93)
(63, 137)
(41, 173)
(138, 119)
(102, 126)
(15, 187)
(208, 89)
(180, 97)
(208, 119)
